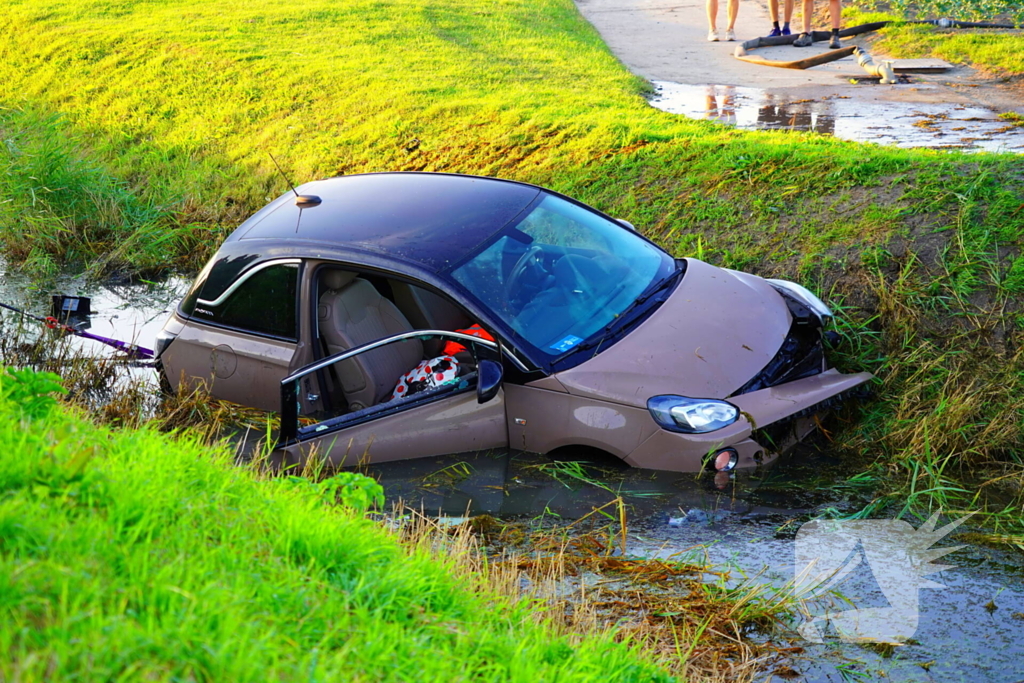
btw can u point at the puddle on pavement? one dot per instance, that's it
(903, 124)
(749, 525)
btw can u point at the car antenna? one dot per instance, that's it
(303, 201)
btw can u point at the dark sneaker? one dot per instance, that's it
(776, 32)
(803, 40)
(786, 31)
(834, 44)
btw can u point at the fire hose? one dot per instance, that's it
(883, 70)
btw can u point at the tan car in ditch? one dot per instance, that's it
(402, 315)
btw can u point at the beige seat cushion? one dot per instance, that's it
(351, 313)
(428, 311)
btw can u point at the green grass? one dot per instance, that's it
(174, 108)
(132, 555)
(137, 135)
(995, 52)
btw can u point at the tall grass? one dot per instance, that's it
(183, 103)
(61, 205)
(128, 555)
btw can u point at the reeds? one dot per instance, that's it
(679, 612)
(125, 393)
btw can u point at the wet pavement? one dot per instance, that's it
(917, 121)
(665, 43)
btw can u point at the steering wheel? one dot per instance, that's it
(512, 283)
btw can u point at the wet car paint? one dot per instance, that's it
(688, 346)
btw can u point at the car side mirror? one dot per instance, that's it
(488, 382)
(623, 222)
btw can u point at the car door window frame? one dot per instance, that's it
(241, 280)
(290, 430)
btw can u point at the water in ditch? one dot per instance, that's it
(972, 629)
(131, 311)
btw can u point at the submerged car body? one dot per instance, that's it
(593, 336)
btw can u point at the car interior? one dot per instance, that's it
(357, 308)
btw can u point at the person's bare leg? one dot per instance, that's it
(713, 14)
(734, 8)
(773, 9)
(788, 10)
(834, 14)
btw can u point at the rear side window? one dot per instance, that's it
(262, 303)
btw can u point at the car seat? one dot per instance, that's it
(428, 311)
(350, 313)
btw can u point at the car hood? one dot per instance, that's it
(716, 331)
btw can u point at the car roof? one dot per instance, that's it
(433, 220)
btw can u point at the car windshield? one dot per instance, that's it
(562, 274)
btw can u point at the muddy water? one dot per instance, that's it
(931, 124)
(972, 630)
(129, 311)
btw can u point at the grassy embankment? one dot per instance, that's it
(130, 555)
(168, 110)
(994, 52)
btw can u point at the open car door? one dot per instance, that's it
(462, 415)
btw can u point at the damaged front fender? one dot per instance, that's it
(780, 405)
(793, 399)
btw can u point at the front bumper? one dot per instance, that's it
(676, 452)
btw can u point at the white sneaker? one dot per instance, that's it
(730, 34)
(713, 36)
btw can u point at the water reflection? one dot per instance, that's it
(124, 310)
(516, 485)
(720, 103)
(777, 113)
(899, 123)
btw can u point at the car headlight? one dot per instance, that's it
(805, 296)
(692, 415)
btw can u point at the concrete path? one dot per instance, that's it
(666, 40)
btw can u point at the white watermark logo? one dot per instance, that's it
(899, 557)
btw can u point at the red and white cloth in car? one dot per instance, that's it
(427, 375)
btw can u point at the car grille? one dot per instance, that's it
(801, 355)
